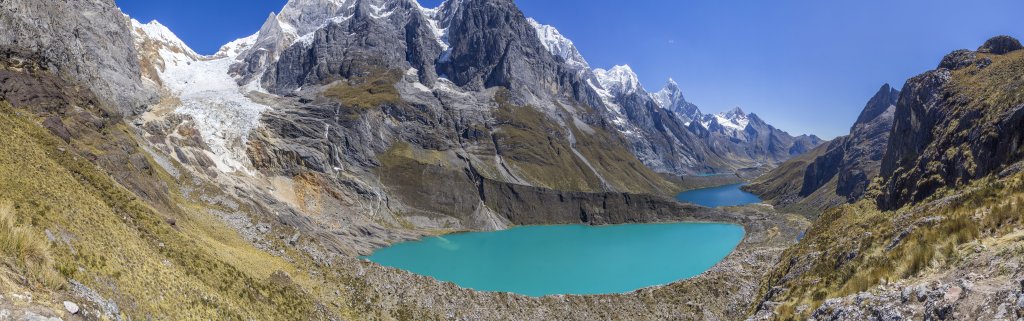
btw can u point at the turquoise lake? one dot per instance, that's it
(567, 259)
(728, 195)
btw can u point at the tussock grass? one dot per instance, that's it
(856, 247)
(26, 250)
(122, 247)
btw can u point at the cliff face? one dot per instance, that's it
(949, 126)
(935, 235)
(358, 45)
(956, 124)
(262, 172)
(100, 55)
(841, 170)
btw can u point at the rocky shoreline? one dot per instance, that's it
(725, 292)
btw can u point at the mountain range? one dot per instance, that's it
(141, 179)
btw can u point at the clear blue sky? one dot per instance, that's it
(806, 66)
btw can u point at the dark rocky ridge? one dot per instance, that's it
(1000, 45)
(492, 45)
(956, 125)
(841, 171)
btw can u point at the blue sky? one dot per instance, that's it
(806, 66)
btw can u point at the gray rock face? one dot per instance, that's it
(88, 41)
(671, 97)
(357, 46)
(915, 117)
(1000, 45)
(855, 158)
(669, 135)
(958, 59)
(477, 45)
(758, 143)
(841, 170)
(492, 44)
(950, 130)
(664, 141)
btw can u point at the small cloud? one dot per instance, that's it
(671, 42)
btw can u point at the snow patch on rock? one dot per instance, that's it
(620, 80)
(558, 44)
(210, 95)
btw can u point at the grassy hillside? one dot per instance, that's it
(782, 186)
(104, 237)
(856, 247)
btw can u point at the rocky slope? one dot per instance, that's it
(937, 235)
(957, 123)
(370, 98)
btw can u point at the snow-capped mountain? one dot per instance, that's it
(559, 45)
(159, 33)
(211, 102)
(732, 121)
(671, 97)
(619, 80)
(311, 43)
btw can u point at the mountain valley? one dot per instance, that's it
(143, 180)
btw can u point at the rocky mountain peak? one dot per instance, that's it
(559, 45)
(1000, 45)
(735, 113)
(157, 32)
(671, 97)
(619, 80)
(671, 89)
(884, 99)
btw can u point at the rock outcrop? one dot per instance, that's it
(100, 54)
(840, 171)
(1000, 45)
(936, 236)
(955, 124)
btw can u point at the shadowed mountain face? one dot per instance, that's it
(477, 46)
(955, 124)
(839, 171)
(941, 163)
(946, 128)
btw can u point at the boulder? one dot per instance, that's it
(958, 59)
(71, 307)
(1000, 45)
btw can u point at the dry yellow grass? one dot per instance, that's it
(26, 250)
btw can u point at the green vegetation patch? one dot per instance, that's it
(610, 155)
(427, 180)
(25, 250)
(537, 148)
(371, 91)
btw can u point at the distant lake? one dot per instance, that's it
(728, 195)
(567, 259)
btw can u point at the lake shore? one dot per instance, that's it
(725, 291)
